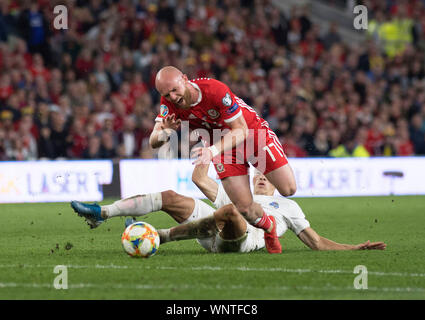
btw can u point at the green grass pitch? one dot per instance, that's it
(37, 237)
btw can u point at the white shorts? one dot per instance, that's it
(251, 241)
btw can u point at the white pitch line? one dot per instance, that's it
(213, 268)
(198, 286)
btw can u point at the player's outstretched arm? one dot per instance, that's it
(207, 185)
(316, 242)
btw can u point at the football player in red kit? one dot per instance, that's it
(236, 136)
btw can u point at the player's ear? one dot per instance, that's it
(184, 77)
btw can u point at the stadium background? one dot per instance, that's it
(86, 93)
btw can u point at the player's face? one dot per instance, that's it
(262, 186)
(175, 91)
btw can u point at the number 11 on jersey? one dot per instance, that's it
(267, 148)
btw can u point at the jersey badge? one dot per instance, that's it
(219, 167)
(163, 110)
(227, 100)
(214, 114)
(274, 204)
(232, 109)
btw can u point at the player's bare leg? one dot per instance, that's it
(201, 229)
(226, 220)
(231, 223)
(239, 192)
(176, 205)
(179, 207)
(284, 180)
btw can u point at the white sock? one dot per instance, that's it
(134, 206)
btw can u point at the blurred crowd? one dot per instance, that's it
(87, 92)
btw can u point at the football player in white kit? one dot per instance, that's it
(227, 230)
(218, 230)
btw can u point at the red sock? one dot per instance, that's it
(264, 222)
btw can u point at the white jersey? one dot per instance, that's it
(287, 213)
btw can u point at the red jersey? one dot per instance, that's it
(215, 108)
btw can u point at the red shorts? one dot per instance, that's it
(262, 149)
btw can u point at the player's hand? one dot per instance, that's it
(170, 122)
(201, 156)
(371, 246)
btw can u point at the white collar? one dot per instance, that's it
(200, 94)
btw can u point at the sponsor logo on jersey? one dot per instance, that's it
(227, 100)
(163, 110)
(232, 109)
(214, 114)
(274, 204)
(219, 167)
(192, 116)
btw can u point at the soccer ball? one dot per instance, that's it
(140, 239)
